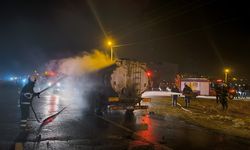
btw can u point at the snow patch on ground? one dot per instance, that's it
(162, 94)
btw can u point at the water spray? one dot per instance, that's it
(32, 108)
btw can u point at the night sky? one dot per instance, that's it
(201, 36)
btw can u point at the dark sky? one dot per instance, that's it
(202, 36)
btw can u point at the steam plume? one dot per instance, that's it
(76, 86)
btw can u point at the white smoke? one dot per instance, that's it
(77, 85)
(84, 63)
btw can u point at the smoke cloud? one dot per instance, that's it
(85, 63)
(77, 85)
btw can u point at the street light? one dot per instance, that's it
(226, 71)
(110, 43)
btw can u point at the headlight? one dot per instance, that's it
(58, 84)
(24, 80)
(49, 84)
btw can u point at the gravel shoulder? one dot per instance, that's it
(207, 113)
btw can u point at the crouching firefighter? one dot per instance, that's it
(26, 97)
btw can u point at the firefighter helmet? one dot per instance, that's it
(33, 78)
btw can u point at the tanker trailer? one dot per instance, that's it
(120, 86)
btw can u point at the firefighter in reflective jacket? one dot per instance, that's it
(26, 96)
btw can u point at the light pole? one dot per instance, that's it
(111, 53)
(111, 49)
(226, 71)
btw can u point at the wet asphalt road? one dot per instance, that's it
(77, 128)
(74, 128)
(9, 114)
(178, 134)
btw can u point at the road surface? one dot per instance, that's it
(78, 128)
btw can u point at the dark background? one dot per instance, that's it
(201, 36)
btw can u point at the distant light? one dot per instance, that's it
(49, 84)
(49, 73)
(232, 91)
(58, 84)
(219, 80)
(149, 74)
(11, 78)
(227, 70)
(24, 80)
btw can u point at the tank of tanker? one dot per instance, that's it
(124, 81)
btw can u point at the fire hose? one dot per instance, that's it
(31, 104)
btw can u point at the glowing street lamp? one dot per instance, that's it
(226, 71)
(110, 43)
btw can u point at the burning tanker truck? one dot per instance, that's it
(119, 87)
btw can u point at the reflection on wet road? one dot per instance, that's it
(53, 103)
(176, 133)
(77, 128)
(169, 131)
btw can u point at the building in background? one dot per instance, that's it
(200, 86)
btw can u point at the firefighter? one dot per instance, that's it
(218, 93)
(26, 96)
(187, 91)
(223, 97)
(175, 96)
